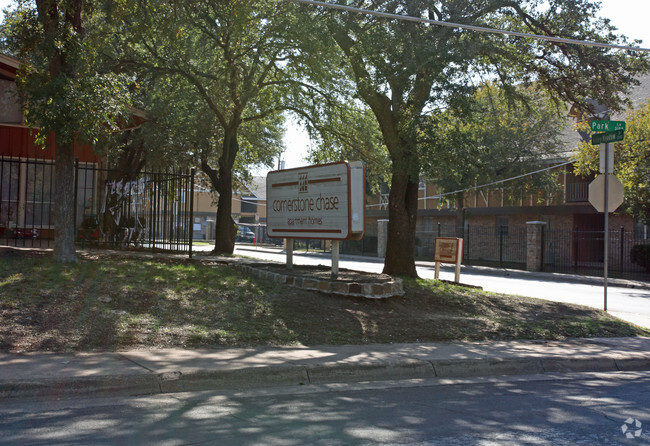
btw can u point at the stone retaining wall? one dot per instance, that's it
(372, 290)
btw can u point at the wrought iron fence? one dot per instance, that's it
(501, 246)
(566, 251)
(152, 210)
(582, 252)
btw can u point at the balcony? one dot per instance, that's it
(577, 192)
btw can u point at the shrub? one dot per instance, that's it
(640, 255)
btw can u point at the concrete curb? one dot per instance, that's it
(252, 377)
(311, 374)
(78, 386)
(370, 371)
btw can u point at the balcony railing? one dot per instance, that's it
(577, 192)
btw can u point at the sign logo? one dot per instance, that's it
(631, 428)
(302, 183)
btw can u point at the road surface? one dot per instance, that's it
(594, 409)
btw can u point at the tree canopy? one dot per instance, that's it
(404, 70)
(234, 67)
(66, 90)
(492, 139)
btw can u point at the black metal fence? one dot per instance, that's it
(152, 210)
(582, 252)
(565, 251)
(500, 246)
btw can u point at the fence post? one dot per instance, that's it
(534, 245)
(466, 243)
(76, 191)
(191, 225)
(543, 248)
(622, 242)
(576, 234)
(382, 237)
(501, 246)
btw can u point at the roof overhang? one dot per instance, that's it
(8, 67)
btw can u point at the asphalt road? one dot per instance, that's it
(560, 410)
(630, 304)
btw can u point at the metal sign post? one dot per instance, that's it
(606, 235)
(615, 131)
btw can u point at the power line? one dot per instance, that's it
(494, 183)
(438, 196)
(469, 27)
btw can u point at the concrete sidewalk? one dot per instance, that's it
(176, 370)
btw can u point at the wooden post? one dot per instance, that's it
(335, 259)
(289, 250)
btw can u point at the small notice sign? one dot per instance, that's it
(448, 250)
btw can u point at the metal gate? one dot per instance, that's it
(152, 210)
(582, 252)
(489, 245)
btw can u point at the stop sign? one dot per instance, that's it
(615, 193)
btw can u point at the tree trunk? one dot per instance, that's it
(64, 218)
(222, 181)
(402, 214)
(226, 229)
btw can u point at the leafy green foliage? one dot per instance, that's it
(352, 134)
(631, 161)
(404, 71)
(492, 139)
(62, 81)
(640, 255)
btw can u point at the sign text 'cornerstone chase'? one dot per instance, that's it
(317, 202)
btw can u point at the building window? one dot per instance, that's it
(86, 192)
(248, 206)
(38, 196)
(9, 174)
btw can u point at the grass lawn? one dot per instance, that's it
(107, 303)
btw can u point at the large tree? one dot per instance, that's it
(403, 70)
(243, 61)
(66, 92)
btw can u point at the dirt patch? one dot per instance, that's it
(120, 302)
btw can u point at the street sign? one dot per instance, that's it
(614, 136)
(607, 126)
(615, 193)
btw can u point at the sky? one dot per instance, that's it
(629, 16)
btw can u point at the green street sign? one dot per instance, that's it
(600, 138)
(607, 126)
